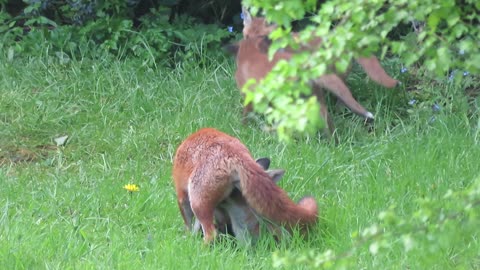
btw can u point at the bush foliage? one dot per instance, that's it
(445, 39)
(432, 230)
(158, 33)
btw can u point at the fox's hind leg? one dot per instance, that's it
(208, 186)
(205, 215)
(335, 85)
(185, 209)
(222, 223)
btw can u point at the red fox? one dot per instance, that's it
(235, 217)
(209, 165)
(253, 63)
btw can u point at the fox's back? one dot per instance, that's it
(253, 62)
(210, 146)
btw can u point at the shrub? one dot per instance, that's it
(437, 228)
(446, 39)
(77, 29)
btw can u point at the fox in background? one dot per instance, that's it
(215, 177)
(253, 63)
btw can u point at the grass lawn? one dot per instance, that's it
(65, 207)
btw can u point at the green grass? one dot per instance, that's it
(64, 208)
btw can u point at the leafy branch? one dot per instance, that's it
(429, 221)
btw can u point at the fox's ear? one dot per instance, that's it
(264, 162)
(276, 174)
(231, 48)
(247, 17)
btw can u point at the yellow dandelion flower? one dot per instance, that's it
(131, 187)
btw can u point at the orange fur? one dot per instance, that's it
(209, 165)
(235, 217)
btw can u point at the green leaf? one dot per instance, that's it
(433, 21)
(341, 65)
(443, 58)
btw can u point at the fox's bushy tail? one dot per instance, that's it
(272, 202)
